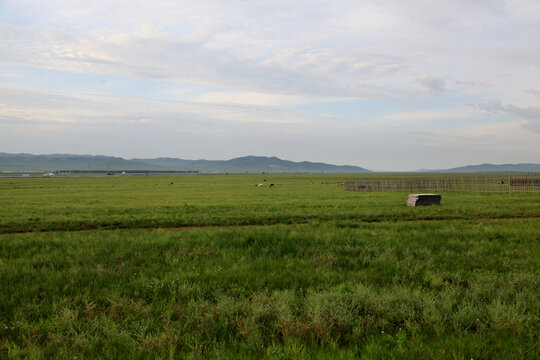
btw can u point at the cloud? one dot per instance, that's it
(487, 142)
(530, 113)
(251, 98)
(114, 124)
(5, 73)
(157, 56)
(492, 106)
(439, 117)
(103, 110)
(242, 71)
(526, 112)
(533, 91)
(435, 85)
(314, 48)
(472, 83)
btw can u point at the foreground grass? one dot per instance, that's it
(456, 289)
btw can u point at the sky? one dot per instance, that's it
(385, 85)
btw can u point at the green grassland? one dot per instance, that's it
(216, 267)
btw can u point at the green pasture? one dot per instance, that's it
(215, 267)
(37, 204)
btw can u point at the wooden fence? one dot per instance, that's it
(487, 184)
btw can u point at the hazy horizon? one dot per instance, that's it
(271, 156)
(384, 85)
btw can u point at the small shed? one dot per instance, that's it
(424, 199)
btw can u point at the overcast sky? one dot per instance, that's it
(386, 85)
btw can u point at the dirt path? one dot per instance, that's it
(193, 227)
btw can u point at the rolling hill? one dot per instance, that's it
(55, 162)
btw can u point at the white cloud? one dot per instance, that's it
(417, 117)
(529, 113)
(243, 67)
(304, 73)
(251, 98)
(5, 73)
(92, 109)
(322, 48)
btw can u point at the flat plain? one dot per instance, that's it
(213, 266)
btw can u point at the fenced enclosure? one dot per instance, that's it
(486, 184)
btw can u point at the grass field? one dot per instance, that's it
(216, 267)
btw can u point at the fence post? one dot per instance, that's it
(509, 184)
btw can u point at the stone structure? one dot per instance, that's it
(424, 199)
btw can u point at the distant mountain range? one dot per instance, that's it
(258, 164)
(490, 168)
(255, 164)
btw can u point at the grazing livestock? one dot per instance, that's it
(271, 185)
(260, 185)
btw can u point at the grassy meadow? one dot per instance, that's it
(212, 266)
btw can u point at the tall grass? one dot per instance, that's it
(462, 289)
